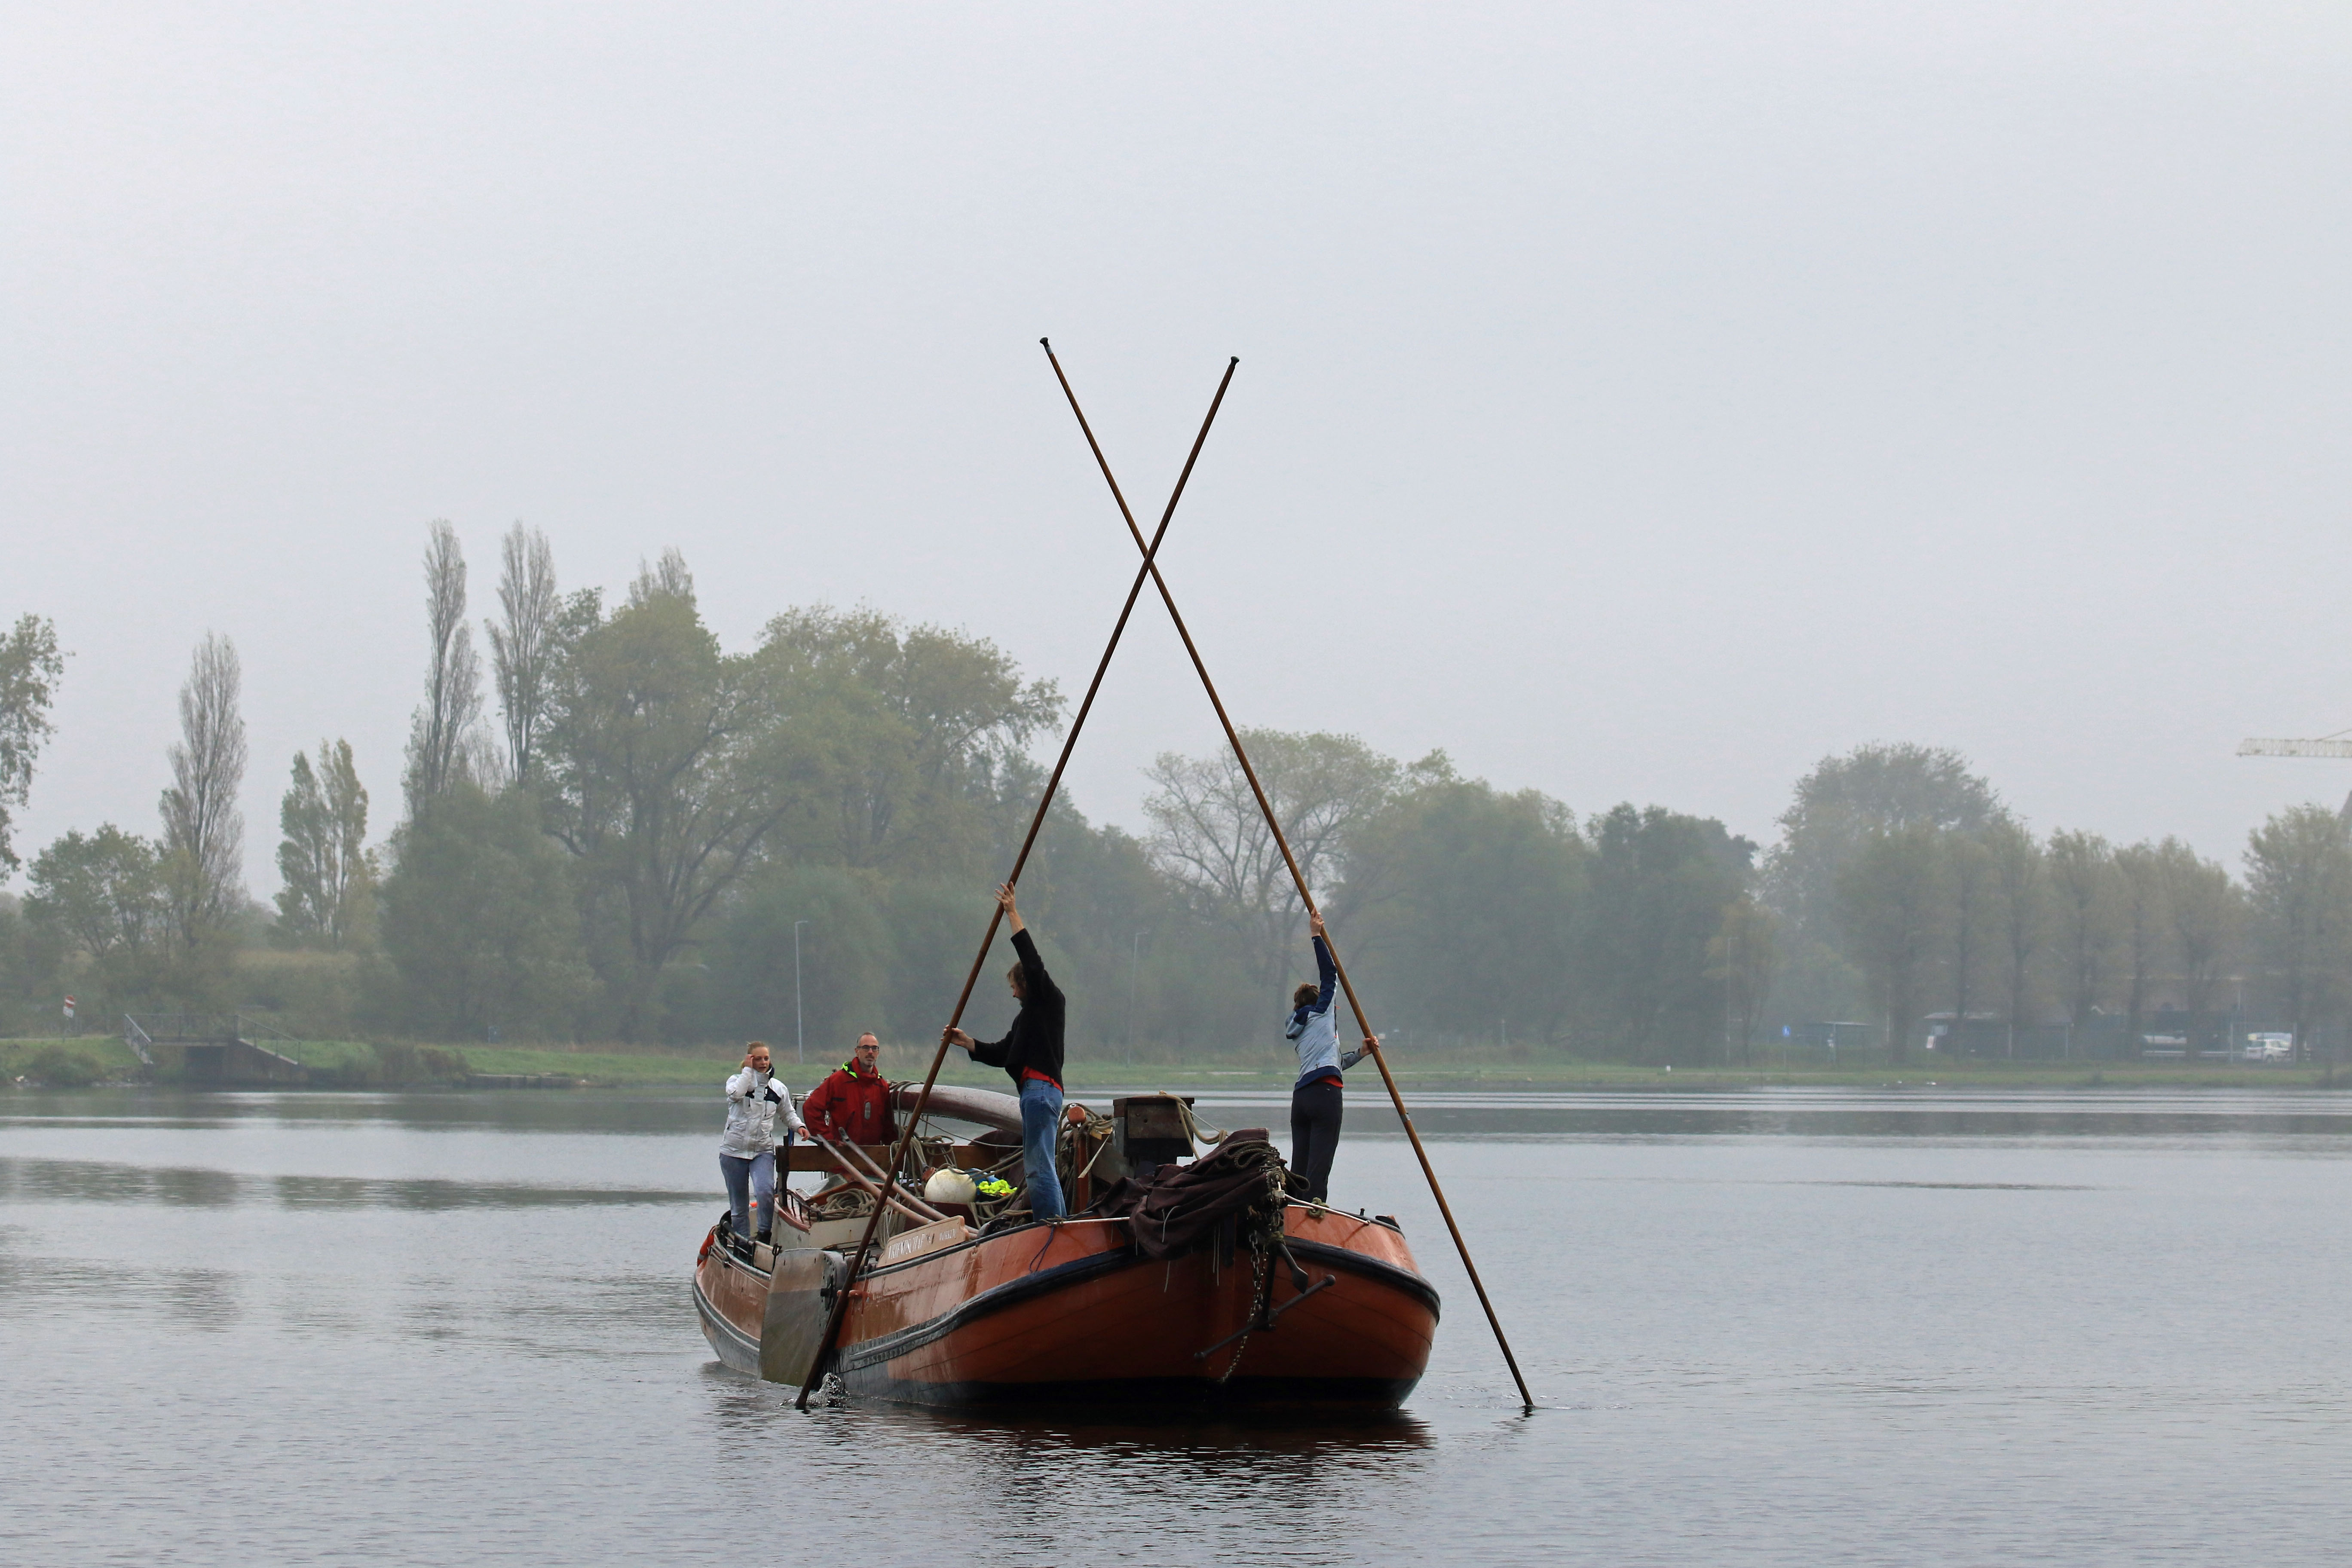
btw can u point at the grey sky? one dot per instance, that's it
(1637, 402)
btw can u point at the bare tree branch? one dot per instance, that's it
(1212, 840)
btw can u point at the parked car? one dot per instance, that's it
(2270, 1047)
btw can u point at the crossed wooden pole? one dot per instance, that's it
(1282, 842)
(1150, 569)
(1053, 784)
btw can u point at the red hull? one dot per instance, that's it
(1070, 1311)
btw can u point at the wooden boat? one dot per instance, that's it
(951, 1314)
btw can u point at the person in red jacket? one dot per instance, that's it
(853, 1105)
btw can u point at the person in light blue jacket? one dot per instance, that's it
(1316, 1098)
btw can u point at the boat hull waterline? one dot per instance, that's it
(1072, 1312)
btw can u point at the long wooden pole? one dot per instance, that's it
(1054, 782)
(864, 1173)
(1233, 738)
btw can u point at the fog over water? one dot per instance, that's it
(1638, 404)
(1788, 1327)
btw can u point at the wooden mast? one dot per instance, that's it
(899, 1154)
(1233, 738)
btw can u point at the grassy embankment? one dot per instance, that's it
(349, 1064)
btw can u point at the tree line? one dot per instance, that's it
(616, 829)
(1905, 891)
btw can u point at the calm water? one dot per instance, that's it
(1788, 1327)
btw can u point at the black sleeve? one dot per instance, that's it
(1033, 969)
(990, 1053)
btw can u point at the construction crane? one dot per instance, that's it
(2325, 746)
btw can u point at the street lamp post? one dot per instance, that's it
(800, 1040)
(1134, 962)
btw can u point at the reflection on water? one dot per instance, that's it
(1788, 1327)
(1911, 1113)
(1254, 1437)
(198, 1298)
(137, 1187)
(1922, 1110)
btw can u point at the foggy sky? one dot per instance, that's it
(1638, 401)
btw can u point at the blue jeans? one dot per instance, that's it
(750, 1191)
(1041, 1121)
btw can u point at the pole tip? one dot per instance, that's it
(1235, 360)
(1046, 345)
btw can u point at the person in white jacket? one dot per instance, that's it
(748, 1149)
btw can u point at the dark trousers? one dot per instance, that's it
(1314, 1135)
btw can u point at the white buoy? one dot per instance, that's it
(949, 1187)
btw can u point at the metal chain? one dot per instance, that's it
(1258, 1287)
(1264, 1222)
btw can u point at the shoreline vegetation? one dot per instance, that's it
(80, 1062)
(799, 834)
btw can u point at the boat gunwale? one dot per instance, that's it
(1370, 1267)
(1161, 1398)
(978, 1236)
(730, 1258)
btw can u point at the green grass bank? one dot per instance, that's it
(353, 1064)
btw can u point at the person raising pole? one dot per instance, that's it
(1314, 1100)
(1030, 1055)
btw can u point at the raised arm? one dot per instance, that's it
(1039, 984)
(1033, 968)
(1326, 972)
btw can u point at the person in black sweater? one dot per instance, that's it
(1030, 1055)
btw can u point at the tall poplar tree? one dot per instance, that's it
(443, 735)
(523, 644)
(323, 856)
(204, 831)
